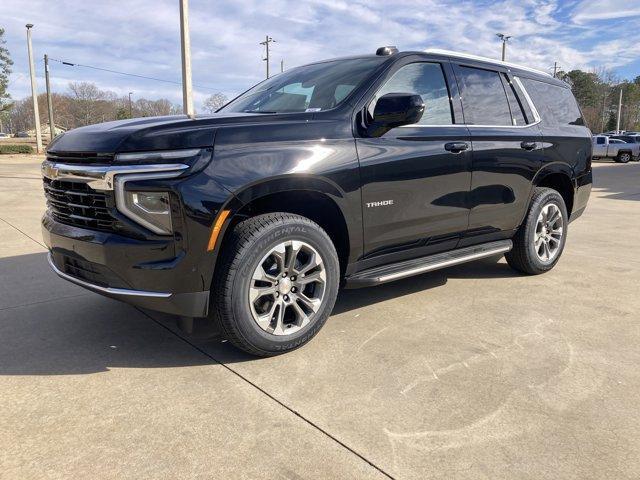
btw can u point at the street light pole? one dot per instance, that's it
(504, 39)
(619, 111)
(52, 127)
(130, 110)
(185, 43)
(34, 90)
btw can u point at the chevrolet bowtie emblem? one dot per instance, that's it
(49, 171)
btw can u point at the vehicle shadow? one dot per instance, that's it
(348, 299)
(50, 327)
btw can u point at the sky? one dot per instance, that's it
(143, 37)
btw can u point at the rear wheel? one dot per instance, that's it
(539, 242)
(623, 157)
(276, 283)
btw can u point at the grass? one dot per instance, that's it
(16, 149)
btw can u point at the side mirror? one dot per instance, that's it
(394, 110)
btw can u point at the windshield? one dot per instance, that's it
(311, 88)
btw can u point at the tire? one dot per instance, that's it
(255, 260)
(528, 253)
(623, 157)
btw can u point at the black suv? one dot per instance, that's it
(353, 172)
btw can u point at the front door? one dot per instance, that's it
(415, 179)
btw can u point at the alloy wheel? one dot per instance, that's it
(549, 231)
(287, 288)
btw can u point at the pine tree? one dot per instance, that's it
(5, 71)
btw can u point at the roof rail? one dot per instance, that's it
(451, 53)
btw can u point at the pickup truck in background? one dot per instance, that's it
(619, 150)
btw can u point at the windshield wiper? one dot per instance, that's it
(258, 111)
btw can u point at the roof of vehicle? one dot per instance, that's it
(513, 67)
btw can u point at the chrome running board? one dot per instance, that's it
(416, 266)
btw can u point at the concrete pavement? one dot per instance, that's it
(470, 372)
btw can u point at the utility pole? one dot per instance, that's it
(130, 109)
(604, 103)
(185, 43)
(266, 43)
(52, 127)
(555, 69)
(34, 90)
(619, 111)
(505, 39)
(282, 65)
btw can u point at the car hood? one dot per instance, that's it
(157, 133)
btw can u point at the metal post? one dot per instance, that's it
(185, 42)
(266, 43)
(34, 90)
(130, 109)
(604, 105)
(504, 39)
(282, 65)
(52, 126)
(619, 111)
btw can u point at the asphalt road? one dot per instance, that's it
(468, 373)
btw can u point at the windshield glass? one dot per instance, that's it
(311, 88)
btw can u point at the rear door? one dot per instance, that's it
(507, 150)
(415, 179)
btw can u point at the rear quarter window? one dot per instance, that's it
(556, 105)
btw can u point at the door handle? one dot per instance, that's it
(528, 145)
(456, 147)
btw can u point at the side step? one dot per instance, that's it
(407, 268)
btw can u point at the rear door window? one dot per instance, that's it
(556, 104)
(484, 100)
(516, 106)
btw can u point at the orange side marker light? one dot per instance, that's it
(217, 226)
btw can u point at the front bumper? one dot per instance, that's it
(135, 272)
(187, 304)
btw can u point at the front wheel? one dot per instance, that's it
(276, 283)
(539, 242)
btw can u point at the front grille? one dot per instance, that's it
(81, 157)
(75, 203)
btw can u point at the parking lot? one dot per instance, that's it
(471, 372)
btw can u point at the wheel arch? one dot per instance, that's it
(559, 177)
(315, 198)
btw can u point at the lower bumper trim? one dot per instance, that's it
(106, 290)
(190, 304)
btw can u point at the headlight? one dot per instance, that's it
(150, 209)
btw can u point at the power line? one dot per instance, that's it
(128, 74)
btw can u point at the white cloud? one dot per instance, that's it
(142, 36)
(590, 10)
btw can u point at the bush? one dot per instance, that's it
(16, 149)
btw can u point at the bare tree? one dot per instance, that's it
(215, 102)
(154, 108)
